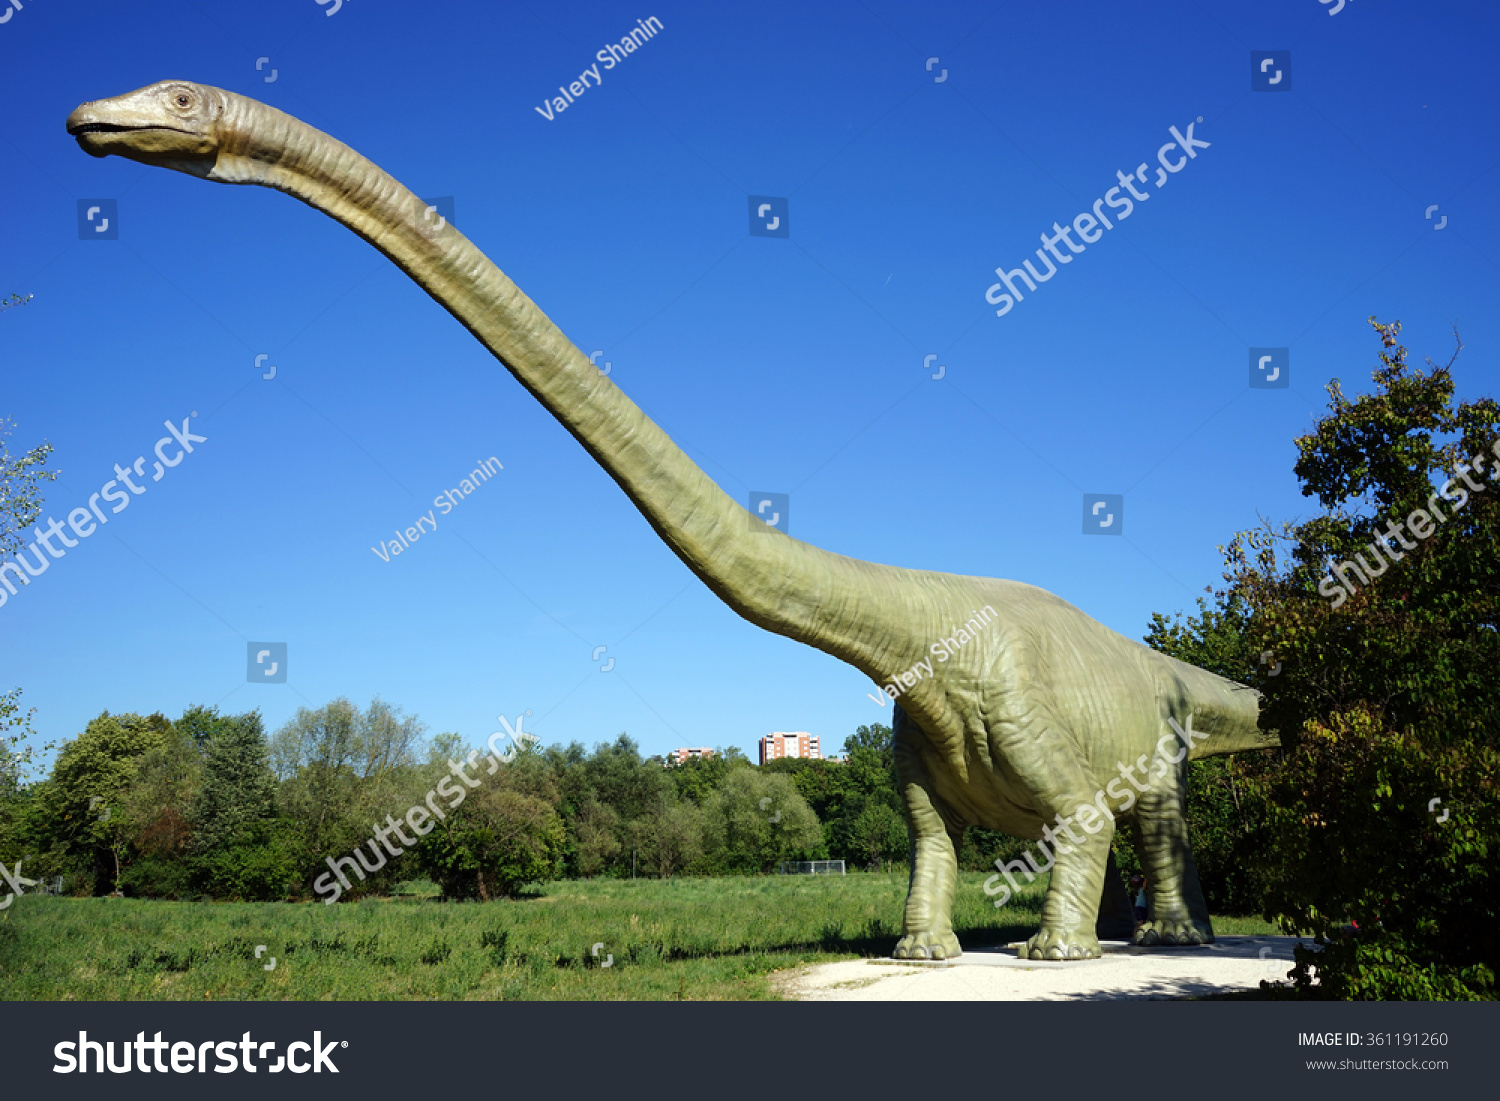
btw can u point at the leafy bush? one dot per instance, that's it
(156, 876)
(258, 865)
(495, 841)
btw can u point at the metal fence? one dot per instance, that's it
(812, 867)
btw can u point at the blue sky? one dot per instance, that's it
(791, 365)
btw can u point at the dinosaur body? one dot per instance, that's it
(1025, 714)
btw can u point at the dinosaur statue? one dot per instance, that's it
(1016, 710)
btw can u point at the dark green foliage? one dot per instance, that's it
(879, 834)
(1387, 701)
(237, 790)
(594, 837)
(205, 807)
(697, 777)
(497, 941)
(261, 863)
(497, 840)
(754, 821)
(201, 723)
(158, 876)
(868, 779)
(982, 849)
(617, 775)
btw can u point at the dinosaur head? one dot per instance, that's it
(174, 124)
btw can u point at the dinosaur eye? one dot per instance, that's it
(183, 101)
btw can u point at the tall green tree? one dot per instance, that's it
(595, 833)
(89, 787)
(238, 788)
(342, 770)
(666, 841)
(756, 819)
(155, 812)
(636, 793)
(620, 778)
(868, 780)
(1383, 805)
(240, 848)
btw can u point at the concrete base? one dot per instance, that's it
(993, 974)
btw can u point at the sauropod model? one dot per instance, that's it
(1033, 714)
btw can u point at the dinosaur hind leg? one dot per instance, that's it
(1178, 914)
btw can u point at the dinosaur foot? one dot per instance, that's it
(927, 946)
(1051, 945)
(1180, 931)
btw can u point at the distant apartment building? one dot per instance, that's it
(795, 744)
(681, 756)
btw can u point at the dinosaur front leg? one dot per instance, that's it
(1070, 911)
(1178, 914)
(935, 838)
(1062, 793)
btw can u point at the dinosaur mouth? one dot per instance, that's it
(111, 128)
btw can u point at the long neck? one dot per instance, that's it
(843, 606)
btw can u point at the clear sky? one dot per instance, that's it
(785, 364)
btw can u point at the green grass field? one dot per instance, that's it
(701, 939)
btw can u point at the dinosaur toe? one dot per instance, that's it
(928, 946)
(1058, 945)
(1167, 932)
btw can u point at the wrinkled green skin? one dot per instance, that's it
(1029, 721)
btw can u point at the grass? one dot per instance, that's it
(699, 939)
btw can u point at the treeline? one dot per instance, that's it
(344, 801)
